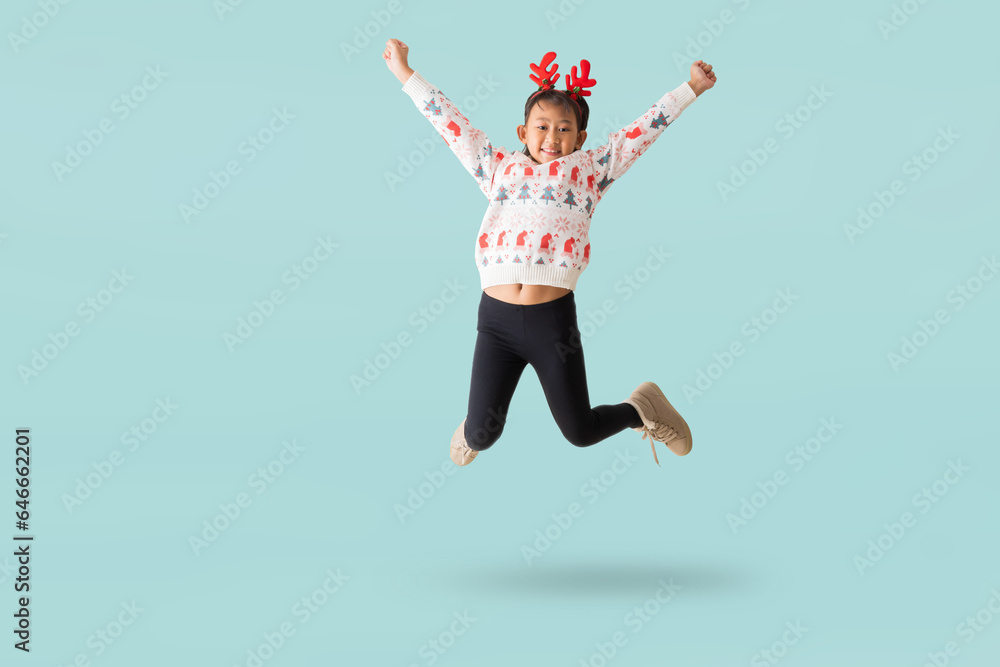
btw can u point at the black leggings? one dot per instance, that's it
(546, 336)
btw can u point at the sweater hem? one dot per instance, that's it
(528, 274)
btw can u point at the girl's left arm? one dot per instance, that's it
(624, 147)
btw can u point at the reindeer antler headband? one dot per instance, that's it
(576, 86)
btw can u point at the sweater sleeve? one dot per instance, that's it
(470, 146)
(624, 147)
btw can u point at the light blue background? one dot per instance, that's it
(364, 453)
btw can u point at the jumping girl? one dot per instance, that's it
(533, 245)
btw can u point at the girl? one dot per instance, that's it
(533, 245)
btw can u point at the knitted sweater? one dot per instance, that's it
(536, 227)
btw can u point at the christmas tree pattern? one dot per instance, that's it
(605, 182)
(540, 261)
(570, 199)
(658, 121)
(432, 108)
(501, 195)
(547, 195)
(589, 203)
(524, 193)
(604, 159)
(480, 173)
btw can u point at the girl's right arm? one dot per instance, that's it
(470, 146)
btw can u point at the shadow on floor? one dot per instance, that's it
(589, 579)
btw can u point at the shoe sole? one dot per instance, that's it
(673, 445)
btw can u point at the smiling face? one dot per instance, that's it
(550, 132)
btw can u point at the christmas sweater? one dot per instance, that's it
(537, 222)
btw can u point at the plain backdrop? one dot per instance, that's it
(200, 452)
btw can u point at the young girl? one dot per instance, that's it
(533, 245)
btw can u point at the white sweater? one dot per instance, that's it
(537, 223)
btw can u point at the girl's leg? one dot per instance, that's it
(556, 354)
(497, 364)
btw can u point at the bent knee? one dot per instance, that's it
(579, 438)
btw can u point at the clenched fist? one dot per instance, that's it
(702, 77)
(396, 55)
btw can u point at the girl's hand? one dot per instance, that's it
(702, 77)
(395, 55)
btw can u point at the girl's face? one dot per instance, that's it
(550, 133)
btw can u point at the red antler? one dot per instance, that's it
(577, 85)
(546, 79)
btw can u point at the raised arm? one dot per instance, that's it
(624, 147)
(470, 146)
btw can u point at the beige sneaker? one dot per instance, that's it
(660, 420)
(461, 453)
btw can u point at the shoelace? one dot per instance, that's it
(467, 452)
(662, 432)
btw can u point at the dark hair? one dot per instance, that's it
(561, 97)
